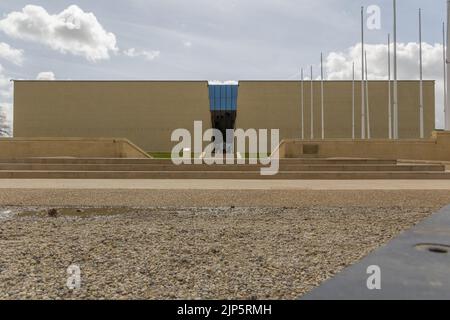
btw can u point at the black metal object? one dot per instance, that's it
(414, 266)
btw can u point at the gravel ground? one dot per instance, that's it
(189, 253)
(223, 198)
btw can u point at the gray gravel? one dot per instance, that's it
(220, 198)
(189, 253)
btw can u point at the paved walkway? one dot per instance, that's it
(214, 193)
(226, 184)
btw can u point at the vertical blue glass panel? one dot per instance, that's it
(217, 97)
(223, 97)
(234, 91)
(228, 98)
(211, 97)
(217, 93)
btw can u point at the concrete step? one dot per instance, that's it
(238, 175)
(207, 168)
(168, 161)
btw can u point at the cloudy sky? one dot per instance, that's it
(208, 40)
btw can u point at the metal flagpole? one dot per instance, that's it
(447, 107)
(422, 133)
(312, 105)
(303, 107)
(353, 102)
(444, 59)
(363, 107)
(367, 100)
(321, 95)
(396, 131)
(389, 88)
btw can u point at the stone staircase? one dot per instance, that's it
(303, 168)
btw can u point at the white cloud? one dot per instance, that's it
(5, 119)
(187, 44)
(339, 66)
(5, 107)
(46, 75)
(5, 86)
(6, 111)
(223, 82)
(11, 54)
(149, 55)
(70, 31)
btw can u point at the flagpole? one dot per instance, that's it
(389, 88)
(447, 61)
(303, 107)
(363, 107)
(444, 60)
(312, 105)
(353, 101)
(396, 131)
(422, 133)
(367, 100)
(321, 94)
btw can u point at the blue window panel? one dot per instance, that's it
(220, 97)
(211, 97)
(229, 98)
(217, 97)
(223, 97)
(234, 95)
(232, 88)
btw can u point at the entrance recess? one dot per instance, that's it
(223, 106)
